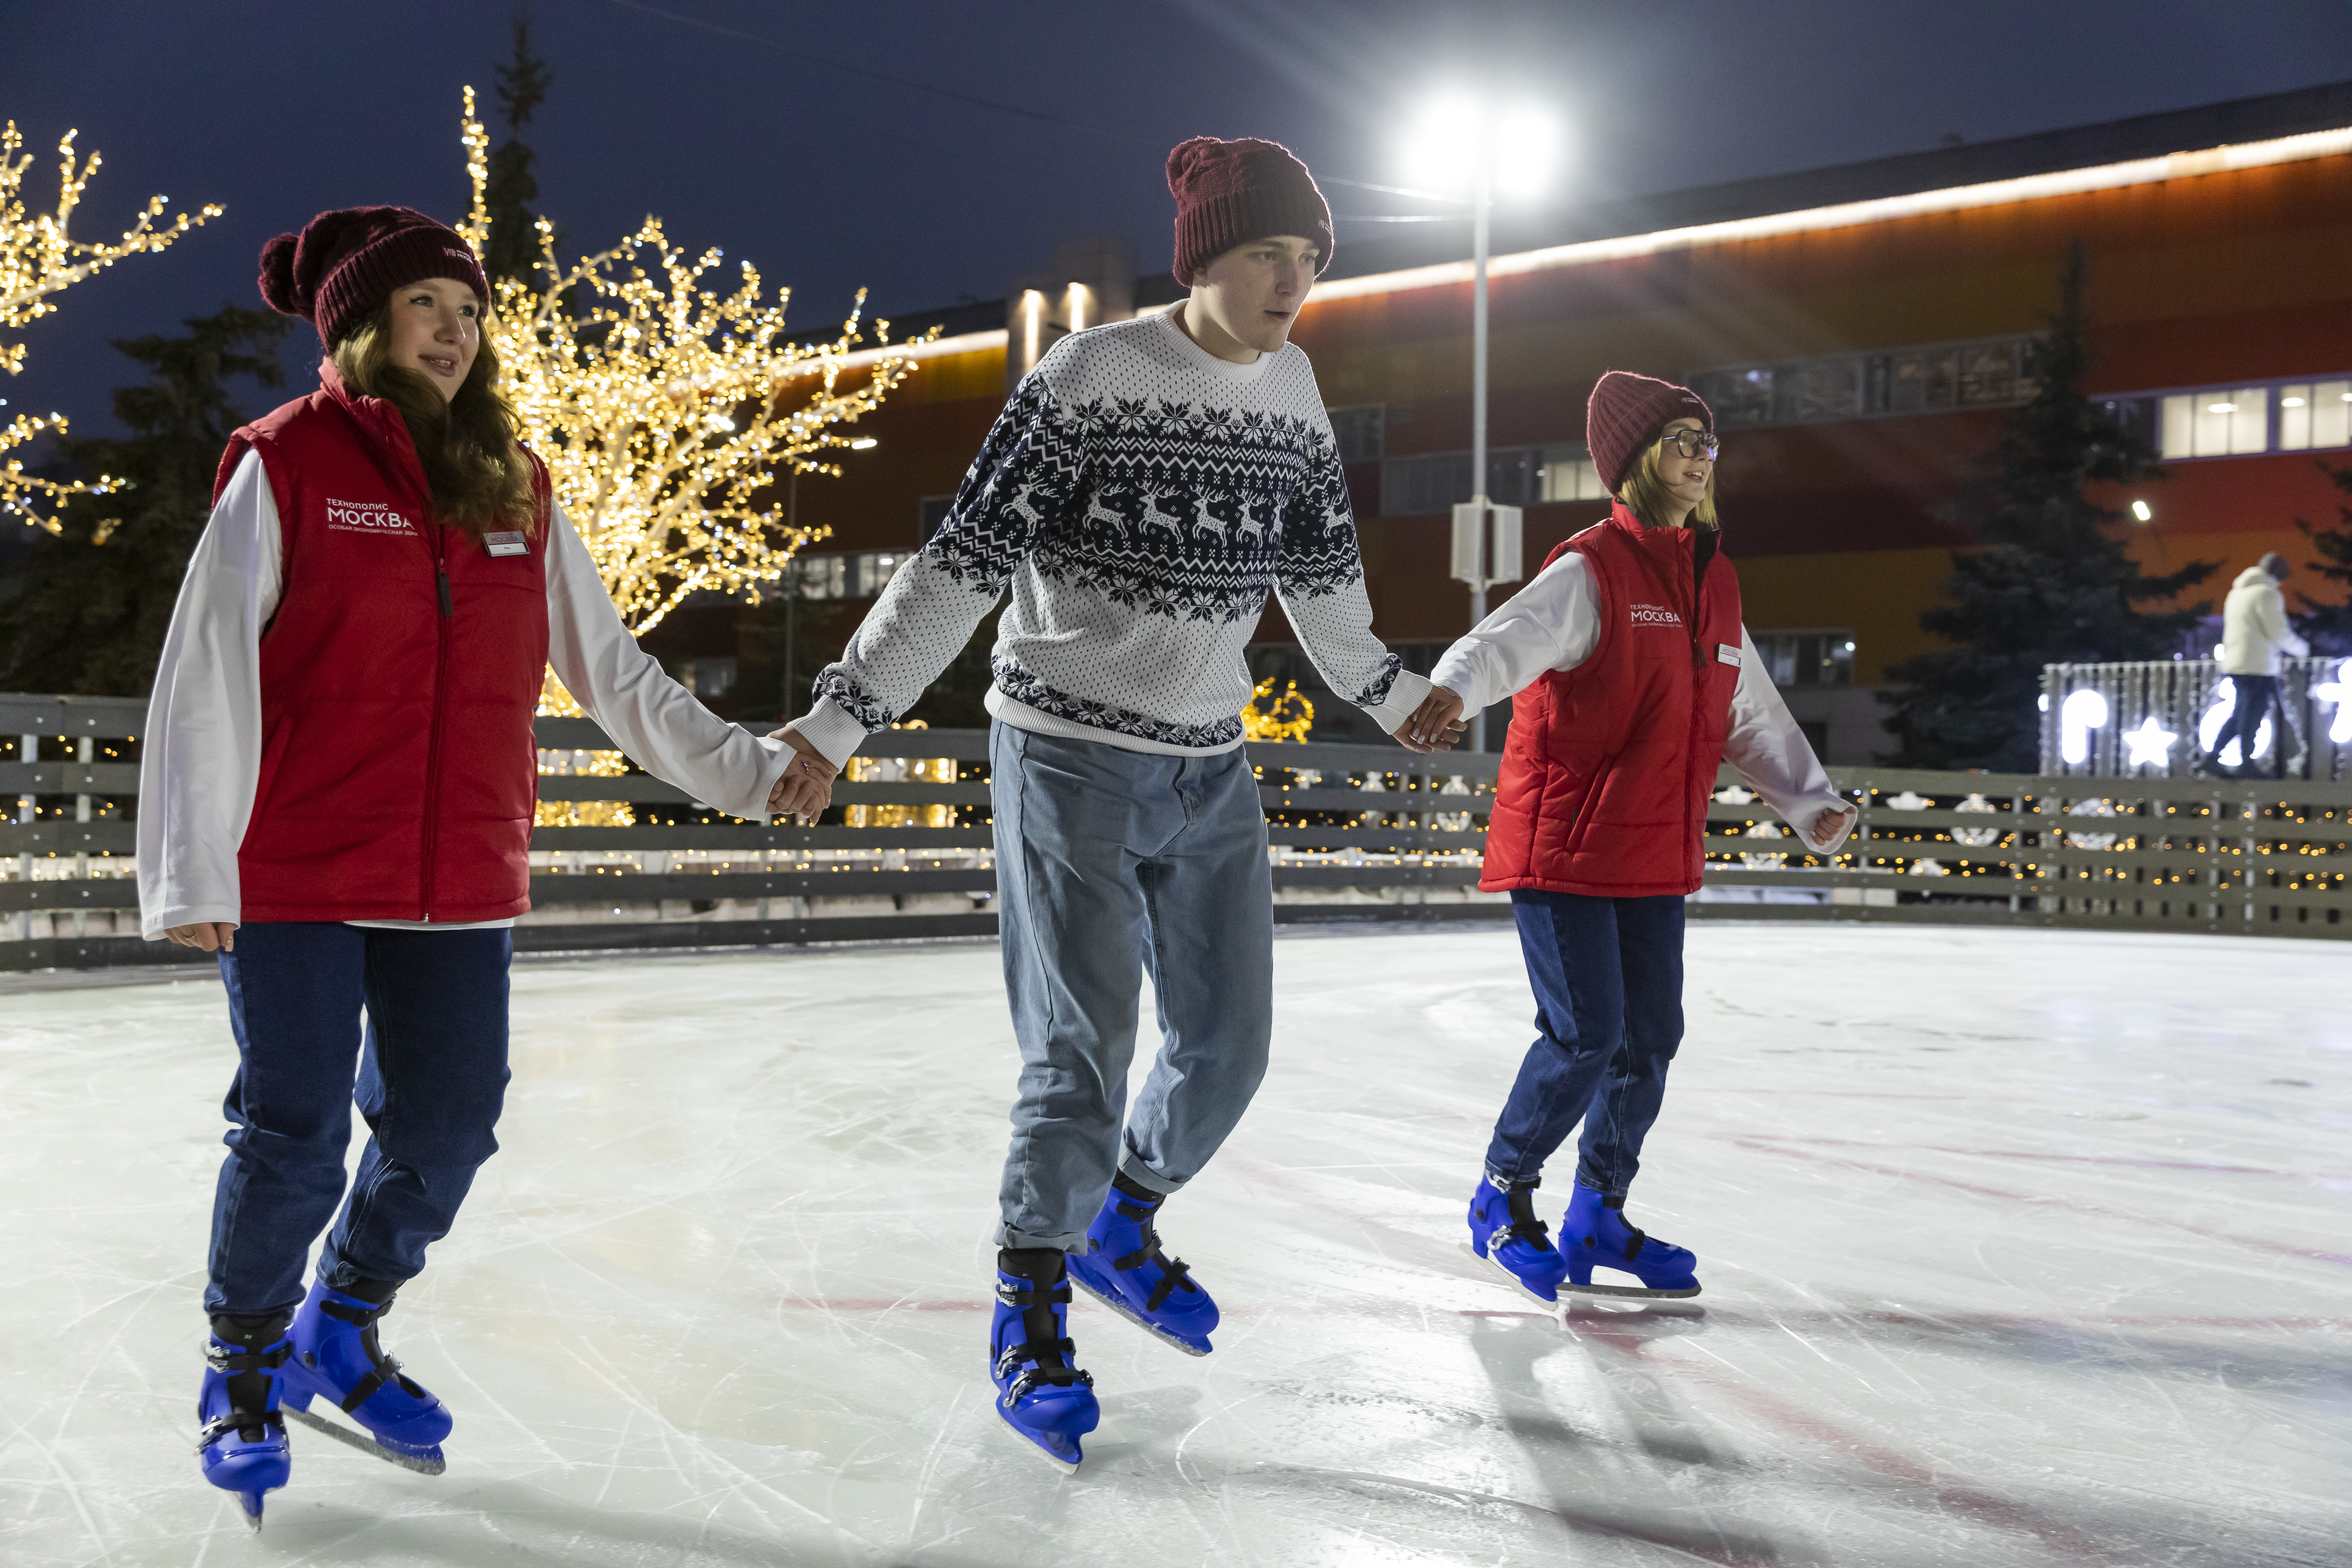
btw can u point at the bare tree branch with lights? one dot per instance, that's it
(39, 257)
(660, 408)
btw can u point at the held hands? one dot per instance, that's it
(1436, 724)
(806, 787)
(212, 936)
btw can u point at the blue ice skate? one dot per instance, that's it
(336, 1356)
(1040, 1392)
(243, 1445)
(1506, 1236)
(1125, 1269)
(1593, 1233)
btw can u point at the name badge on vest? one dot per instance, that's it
(513, 543)
(1724, 652)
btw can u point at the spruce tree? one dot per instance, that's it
(2329, 625)
(2052, 580)
(92, 604)
(513, 182)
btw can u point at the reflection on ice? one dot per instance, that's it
(2018, 1248)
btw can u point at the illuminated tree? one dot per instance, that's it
(659, 406)
(38, 257)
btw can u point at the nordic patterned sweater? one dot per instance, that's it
(1140, 497)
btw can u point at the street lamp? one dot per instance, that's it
(1462, 142)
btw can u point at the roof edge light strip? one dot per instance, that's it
(964, 343)
(1848, 215)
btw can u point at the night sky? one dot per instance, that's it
(928, 150)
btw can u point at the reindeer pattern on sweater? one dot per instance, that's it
(1139, 501)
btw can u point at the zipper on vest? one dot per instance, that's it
(433, 744)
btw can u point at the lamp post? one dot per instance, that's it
(1501, 557)
(1458, 139)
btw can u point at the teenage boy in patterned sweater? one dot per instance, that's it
(1146, 487)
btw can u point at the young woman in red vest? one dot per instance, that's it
(1633, 680)
(336, 797)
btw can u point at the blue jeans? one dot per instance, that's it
(1608, 979)
(431, 1079)
(1110, 862)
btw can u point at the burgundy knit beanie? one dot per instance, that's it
(1625, 415)
(1230, 193)
(344, 263)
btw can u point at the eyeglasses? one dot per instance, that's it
(1694, 444)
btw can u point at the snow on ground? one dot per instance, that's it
(2018, 1248)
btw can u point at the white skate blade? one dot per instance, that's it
(1066, 1467)
(423, 1464)
(1138, 1318)
(1633, 1292)
(249, 1504)
(1487, 1260)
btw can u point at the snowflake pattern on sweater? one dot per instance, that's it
(1140, 505)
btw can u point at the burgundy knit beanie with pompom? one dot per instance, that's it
(1230, 193)
(345, 263)
(1625, 413)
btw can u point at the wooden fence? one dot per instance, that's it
(1359, 833)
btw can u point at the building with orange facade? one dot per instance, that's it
(1860, 331)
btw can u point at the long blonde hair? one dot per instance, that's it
(1645, 496)
(469, 445)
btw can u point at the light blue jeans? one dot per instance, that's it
(1108, 863)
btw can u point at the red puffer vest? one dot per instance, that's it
(398, 680)
(1608, 766)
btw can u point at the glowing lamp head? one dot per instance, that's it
(864, 444)
(1452, 139)
(2139, 511)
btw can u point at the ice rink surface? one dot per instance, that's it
(2018, 1248)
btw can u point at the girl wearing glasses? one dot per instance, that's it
(1633, 679)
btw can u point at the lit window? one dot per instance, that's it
(2315, 415)
(1983, 372)
(1807, 657)
(1568, 474)
(2223, 423)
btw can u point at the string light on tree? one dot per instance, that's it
(1289, 717)
(39, 257)
(658, 404)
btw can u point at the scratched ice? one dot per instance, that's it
(2019, 1248)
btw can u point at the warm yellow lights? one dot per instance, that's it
(1880, 209)
(37, 258)
(1074, 306)
(1289, 717)
(655, 401)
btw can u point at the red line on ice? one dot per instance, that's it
(1767, 1145)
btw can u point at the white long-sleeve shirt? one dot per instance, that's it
(201, 758)
(1554, 622)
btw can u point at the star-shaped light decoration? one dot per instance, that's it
(2151, 744)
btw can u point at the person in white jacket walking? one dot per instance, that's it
(2254, 633)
